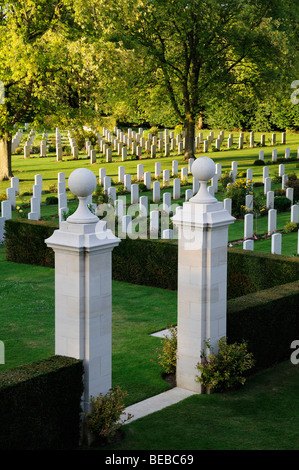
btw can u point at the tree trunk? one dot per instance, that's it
(5, 158)
(189, 138)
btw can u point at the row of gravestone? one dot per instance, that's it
(120, 142)
(127, 220)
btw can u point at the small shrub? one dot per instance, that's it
(291, 227)
(167, 358)
(104, 418)
(121, 190)
(142, 187)
(293, 182)
(154, 130)
(225, 179)
(259, 162)
(21, 212)
(237, 193)
(225, 370)
(51, 200)
(282, 203)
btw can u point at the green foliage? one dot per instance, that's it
(142, 187)
(291, 227)
(274, 310)
(225, 369)
(40, 405)
(259, 162)
(237, 192)
(282, 203)
(293, 182)
(100, 196)
(25, 242)
(225, 179)
(51, 200)
(168, 356)
(104, 418)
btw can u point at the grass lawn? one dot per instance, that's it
(261, 415)
(27, 325)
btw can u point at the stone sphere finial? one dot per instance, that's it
(82, 183)
(203, 169)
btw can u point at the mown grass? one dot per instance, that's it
(27, 326)
(261, 415)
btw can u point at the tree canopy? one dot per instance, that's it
(156, 61)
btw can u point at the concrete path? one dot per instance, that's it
(158, 402)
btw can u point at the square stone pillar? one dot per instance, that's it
(202, 275)
(83, 301)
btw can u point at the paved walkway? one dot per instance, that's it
(158, 402)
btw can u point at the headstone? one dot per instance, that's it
(102, 174)
(6, 211)
(272, 217)
(107, 183)
(175, 167)
(143, 205)
(108, 155)
(153, 151)
(270, 200)
(121, 174)
(166, 178)
(290, 194)
(124, 154)
(276, 243)
(43, 148)
(154, 224)
(184, 173)
(127, 182)
(176, 188)
(227, 204)
(147, 179)
(156, 191)
(166, 202)
(267, 185)
(248, 226)
(188, 194)
(140, 172)
(167, 234)
(157, 169)
(249, 202)
(134, 193)
(295, 213)
(93, 157)
(11, 197)
(248, 245)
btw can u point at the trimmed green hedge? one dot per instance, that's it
(24, 242)
(40, 405)
(268, 320)
(249, 271)
(154, 262)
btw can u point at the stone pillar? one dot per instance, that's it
(202, 272)
(83, 247)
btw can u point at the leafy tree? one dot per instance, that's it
(191, 50)
(33, 64)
